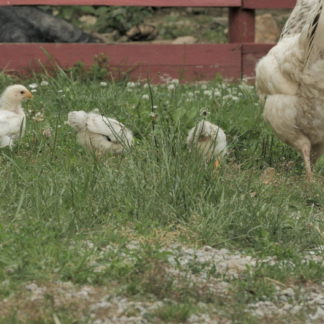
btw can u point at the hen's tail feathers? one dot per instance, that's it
(122, 135)
(314, 39)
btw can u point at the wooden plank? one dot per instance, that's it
(150, 3)
(251, 53)
(241, 25)
(269, 4)
(192, 60)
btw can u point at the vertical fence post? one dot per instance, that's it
(241, 25)
(241, 29)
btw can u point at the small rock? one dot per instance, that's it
(268, 175)
(107, 37)
(196, 10)
(288, 292)
(266, 29)
(319, 315)
(88, 20)
(185, 40)
(31, 286)
(162, 41)
(142, 32)
(223, 21)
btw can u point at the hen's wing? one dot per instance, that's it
(10, 123)
(115, 131)
(312, 35)
(299, 17)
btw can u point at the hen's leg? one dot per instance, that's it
(303, 145)
(306, 152)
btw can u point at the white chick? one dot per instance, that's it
(209, 139)
(12, 115)
(100, 134)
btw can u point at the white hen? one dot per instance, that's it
(209, 139)
(100, 134)
(291, 80)
(12, 116)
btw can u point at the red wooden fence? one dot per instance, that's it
(188, 62)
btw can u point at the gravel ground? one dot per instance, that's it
(105, 305)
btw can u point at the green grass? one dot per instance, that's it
(55, 197)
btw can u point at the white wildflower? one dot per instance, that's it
(146, 85)
(60, 91)
(165, 78)
(33, 85)
(153, 115)
(155, 107)
(174, 81)
(39, 117)
(145, 97)
(171, 87)
(190, 94)
(131, 84)
(231, 97)
(44, 83)
(203, 86)
(5, 283)
(246, 87)
(208, 93)
(103, 84)
(33, 90)
(217, 93)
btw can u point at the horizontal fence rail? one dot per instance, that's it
(249, 4)
(152, 61)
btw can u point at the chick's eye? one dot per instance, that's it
(22, 91)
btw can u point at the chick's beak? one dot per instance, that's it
(28, 94)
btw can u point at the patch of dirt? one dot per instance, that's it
(39, 301)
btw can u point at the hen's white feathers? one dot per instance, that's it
(291, 80)
(209, 139)
(12, 116)
(299, 17)
(99, 133)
